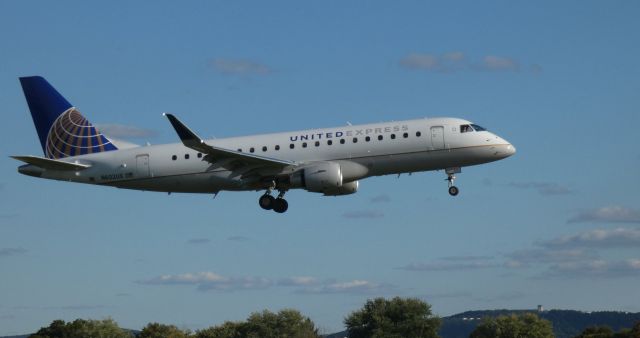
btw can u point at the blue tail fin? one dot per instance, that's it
(63, 131)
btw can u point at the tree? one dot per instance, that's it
(226, 330)
(284, 324)
(395, 318)
(156, 330)
(82, 328)
(606, 332)
(527, 325)
(596, 332)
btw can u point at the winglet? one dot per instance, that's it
(188, 137)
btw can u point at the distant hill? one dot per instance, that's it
(566, 323)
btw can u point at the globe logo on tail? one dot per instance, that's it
(72, 134)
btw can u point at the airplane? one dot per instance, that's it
(330, 161)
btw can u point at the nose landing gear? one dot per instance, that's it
(453, 190)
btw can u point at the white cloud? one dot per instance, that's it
(445, 63)
(457, 61)
(596, 268)
(466, 258)
(543, 188)
(210, 281)
(421, 61)
(356, 286)
(598, 238)
(298, 281)
(614, 214)
(499, 63)
(450, 265)
(526, 258)
(240, 67)
(6, 252)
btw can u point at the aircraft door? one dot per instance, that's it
(142, 165)
(437, 137)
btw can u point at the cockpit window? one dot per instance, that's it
(477, 127)
(465, 128)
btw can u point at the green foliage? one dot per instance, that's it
(284, 324)
(156, 330)
(395, 318)
(606, 332)
(82, 328)
(226, 330)
(527, 325)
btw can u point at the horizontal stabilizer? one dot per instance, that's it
(46, 163)
(193, 141)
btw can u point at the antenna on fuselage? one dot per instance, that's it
(349, 123)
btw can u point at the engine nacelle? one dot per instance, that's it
(346, 189)
(320, 177)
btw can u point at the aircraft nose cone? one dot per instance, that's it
(511, 149)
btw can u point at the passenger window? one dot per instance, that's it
(329, 142)
(186, 156)
(291, 146)
(174, 157)
(199, 155)
(264, 148)
(239, 149)
(405, 135)
(355, 140)
(367, 138)
(380, 137)
(251, 150)
(304, 144)
(341, 141)
(418, 134)
(277, 147)
(393, 136)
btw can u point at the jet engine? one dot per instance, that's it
(346, 189)
(323, 177)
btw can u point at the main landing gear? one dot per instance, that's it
(277, 204)
(453, 190)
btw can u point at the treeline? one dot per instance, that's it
(378, 318)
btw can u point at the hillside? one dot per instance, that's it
(566, 323)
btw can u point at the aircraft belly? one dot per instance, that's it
(206, 182)
(427, 160)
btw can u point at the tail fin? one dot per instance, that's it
(63, 131)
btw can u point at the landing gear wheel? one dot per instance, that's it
(280, 205)
(453, 190)
(266, 202)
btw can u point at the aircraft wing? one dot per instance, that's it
(47, 163)
(215, 154)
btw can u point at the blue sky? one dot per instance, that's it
(558, 224)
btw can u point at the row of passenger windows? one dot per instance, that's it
(186, 156)
(317, 144)
(330, 142)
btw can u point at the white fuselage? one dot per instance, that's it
(405, 146)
